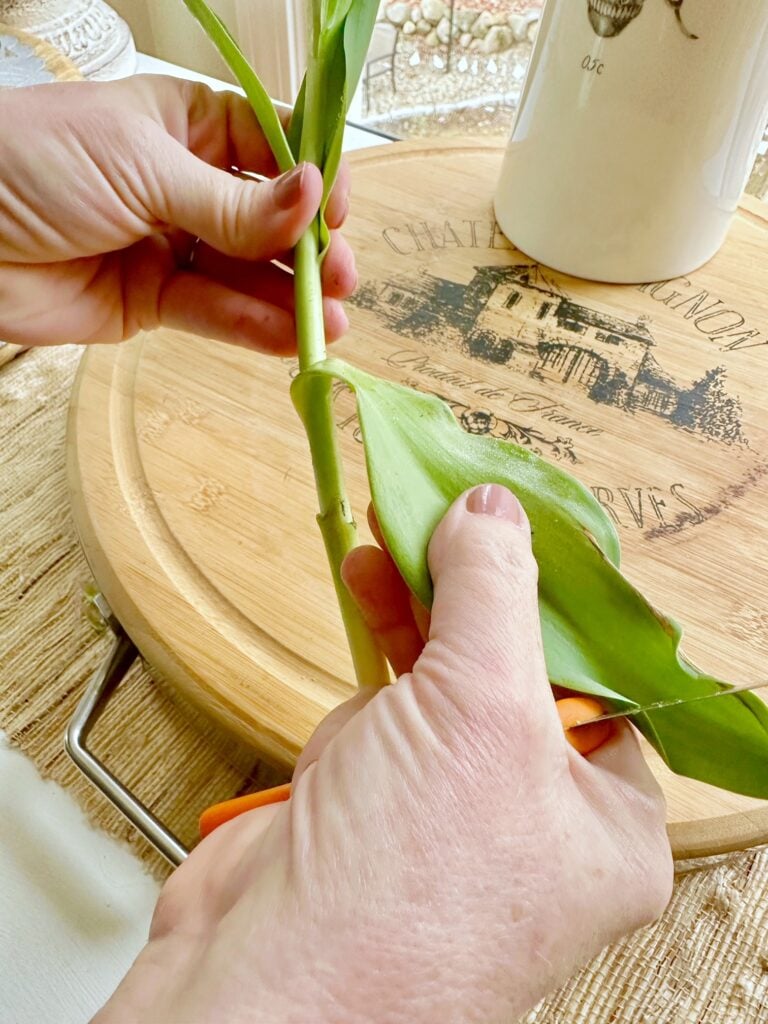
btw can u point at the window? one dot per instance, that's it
(442, 60)
(608, 339)
(574, 326)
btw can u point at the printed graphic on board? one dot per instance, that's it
(554, 370)
(610, 17)
(516, 316)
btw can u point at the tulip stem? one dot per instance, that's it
(335, 519)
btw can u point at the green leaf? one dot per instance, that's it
(296, 124)
(255, 92)
(339, 46)
(358, 29)
(322, 115)
(324, 97)
(600, 635)
(351, 49)
(430, 456)
(333, 13)
(355, 39)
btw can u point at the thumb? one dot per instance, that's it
(484, 651)
(254, 220)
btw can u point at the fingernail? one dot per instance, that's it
(495, 500)
(288, 187)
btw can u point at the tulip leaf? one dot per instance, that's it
(358, 26)
(257, 95)
(600, 635)
(338, 57)
(341, 35)
(296, 124)
(358, 29)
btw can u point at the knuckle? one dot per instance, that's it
(199, 98)
(497, 554)
(496, 713)
(167, 913)
(235, 219)
(510, 553)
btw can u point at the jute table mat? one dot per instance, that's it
(706, 962)
(175, 761)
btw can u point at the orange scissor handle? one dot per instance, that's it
(572, 710)
(216, 815)
(575, 710)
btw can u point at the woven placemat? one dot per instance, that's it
(173, 759)
(706, 962)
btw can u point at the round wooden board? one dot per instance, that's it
(193, 492)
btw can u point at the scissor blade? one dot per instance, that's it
(659, 705)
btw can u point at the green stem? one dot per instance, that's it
(335, 517)
(310, 329)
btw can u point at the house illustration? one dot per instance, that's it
(516, 316)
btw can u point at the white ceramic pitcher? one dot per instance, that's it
(637, 128)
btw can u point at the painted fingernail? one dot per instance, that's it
(495, 500)
(288, 187)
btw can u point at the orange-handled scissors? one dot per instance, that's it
(573, 712)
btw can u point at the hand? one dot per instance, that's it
(104, 191)
(445, 855)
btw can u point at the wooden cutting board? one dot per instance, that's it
(193, 493)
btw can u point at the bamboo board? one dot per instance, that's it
(192, 487)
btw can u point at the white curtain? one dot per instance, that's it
(270, 32)
(273, 36)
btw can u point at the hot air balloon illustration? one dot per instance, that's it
(610, 17)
